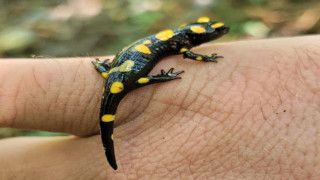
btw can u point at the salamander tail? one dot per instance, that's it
(109, 106)
(107, 140)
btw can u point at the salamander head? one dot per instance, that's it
(204, 30)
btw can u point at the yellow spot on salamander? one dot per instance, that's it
(198, 29)
(124, 67)
(104, 75)
(108, 118)
(143, 49)
(143, 80)
(103, 89)
(183, 50)
(203, 19)
(111, 136)
(116, 87)
(217, 25)
(165, 35)
(199, 58)
(147, 42)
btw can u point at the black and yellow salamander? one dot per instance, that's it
(130, 68)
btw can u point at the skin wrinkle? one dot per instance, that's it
(312, 50)
(221, 162)
(169, 105)
(81, 94)
(218, 102)
(87, 88)
(307, 68)
(183, 143)
(26, 90)
(136, 134)
(230, 71)
(192, 80)
(32, 104)
(138, 109)
(189, 96)
(261, 110)
(144, 146)
(313, 59)
(93, 101)
(135, 109)
(36, 81)
(201, 105)
(278, 76)
(48, 84)
(199, 94)
(72, 101)
(209, 99)
(226, 135)
(194, 159)
(77, 69)
(259, 128)
(16, 105)
(33, 93)
(301, 80)
(173, 158)
(188, 93)
(12, 96)
(295, 74)
(162, 118)
(56, 91)
(91, 115)
(68, 101)
(155, 169)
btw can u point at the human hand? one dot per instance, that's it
(254, 114)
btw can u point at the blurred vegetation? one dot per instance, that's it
(7, 132)
(60, 28)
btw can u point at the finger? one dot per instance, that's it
(34, 157)
(56, 95)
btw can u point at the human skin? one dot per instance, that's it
(253, 115)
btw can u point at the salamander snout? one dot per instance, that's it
(224, 29)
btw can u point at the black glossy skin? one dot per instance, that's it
(178, 43)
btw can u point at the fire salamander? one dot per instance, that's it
(130, 68)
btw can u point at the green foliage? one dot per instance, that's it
(7, 132)
(91, 28)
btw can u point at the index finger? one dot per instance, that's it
(59, 95)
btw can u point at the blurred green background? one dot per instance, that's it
(65, 28)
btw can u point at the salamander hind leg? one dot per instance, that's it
(162, 77)
(199, 57)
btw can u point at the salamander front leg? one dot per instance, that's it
(162, 77)
(102, 67)
(199, 57)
